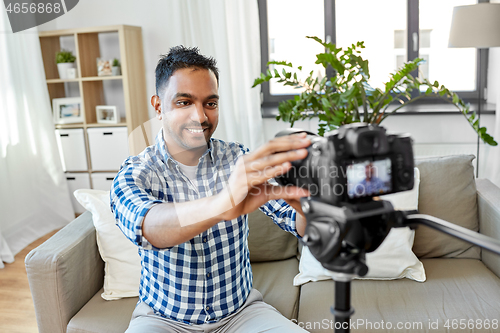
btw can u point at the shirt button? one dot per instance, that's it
(204, 240)
(208, 308)
(208, 274)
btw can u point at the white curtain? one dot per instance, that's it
(489, 164)
(228, 30)
(490, 156)
(34, 196)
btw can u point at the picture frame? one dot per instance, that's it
(107, 114)
(104, 67)
(67, 110)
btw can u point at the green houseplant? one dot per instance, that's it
(64, 60)
(116, 67)
(64, 56)
(347, 97)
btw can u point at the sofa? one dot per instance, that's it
(461, 292)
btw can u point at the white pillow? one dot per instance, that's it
(122, 269)
(393, 259)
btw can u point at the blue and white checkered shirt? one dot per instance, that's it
(208, 277)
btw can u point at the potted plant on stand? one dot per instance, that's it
(347, 97)
(65, 60)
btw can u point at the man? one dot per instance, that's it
(372, 184)
(184, 201)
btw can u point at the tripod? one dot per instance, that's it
(340, 236)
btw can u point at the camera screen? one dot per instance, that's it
(369, 178)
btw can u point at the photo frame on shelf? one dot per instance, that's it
(104, 67)
(67, 110)
(107, 114)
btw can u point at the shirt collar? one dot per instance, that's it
(162, 147)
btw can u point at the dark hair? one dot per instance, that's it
(182, 57)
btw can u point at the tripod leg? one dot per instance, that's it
(342, 310)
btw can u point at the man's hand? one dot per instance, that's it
(248, 188)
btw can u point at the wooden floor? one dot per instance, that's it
(17, 314)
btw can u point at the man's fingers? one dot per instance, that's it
(285, 192)
(270, 161)
(262, 176)
(281, 144)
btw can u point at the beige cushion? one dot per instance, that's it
(455, 289)
(99, 315)
(267, 241)
(274, 281)
(447, 191)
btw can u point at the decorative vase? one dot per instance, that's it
(62, 68)
(116, 70)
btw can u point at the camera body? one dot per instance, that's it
(353, 164)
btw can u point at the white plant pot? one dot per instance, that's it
(116, 70)
(63, 69)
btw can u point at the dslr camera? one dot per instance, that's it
(343, 172)
(353, 164)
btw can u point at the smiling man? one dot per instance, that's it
(184, 202)
(186, 132)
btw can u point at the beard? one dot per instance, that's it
(188, 137)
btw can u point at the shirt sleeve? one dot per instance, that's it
(282, 214)
(130, 199)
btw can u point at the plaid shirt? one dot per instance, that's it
(208, 277)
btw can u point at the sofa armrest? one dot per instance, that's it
(64, 273)
(488, 200)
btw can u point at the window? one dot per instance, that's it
(455, 68)
(403, 29)
(375, 23)
(283, 41)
